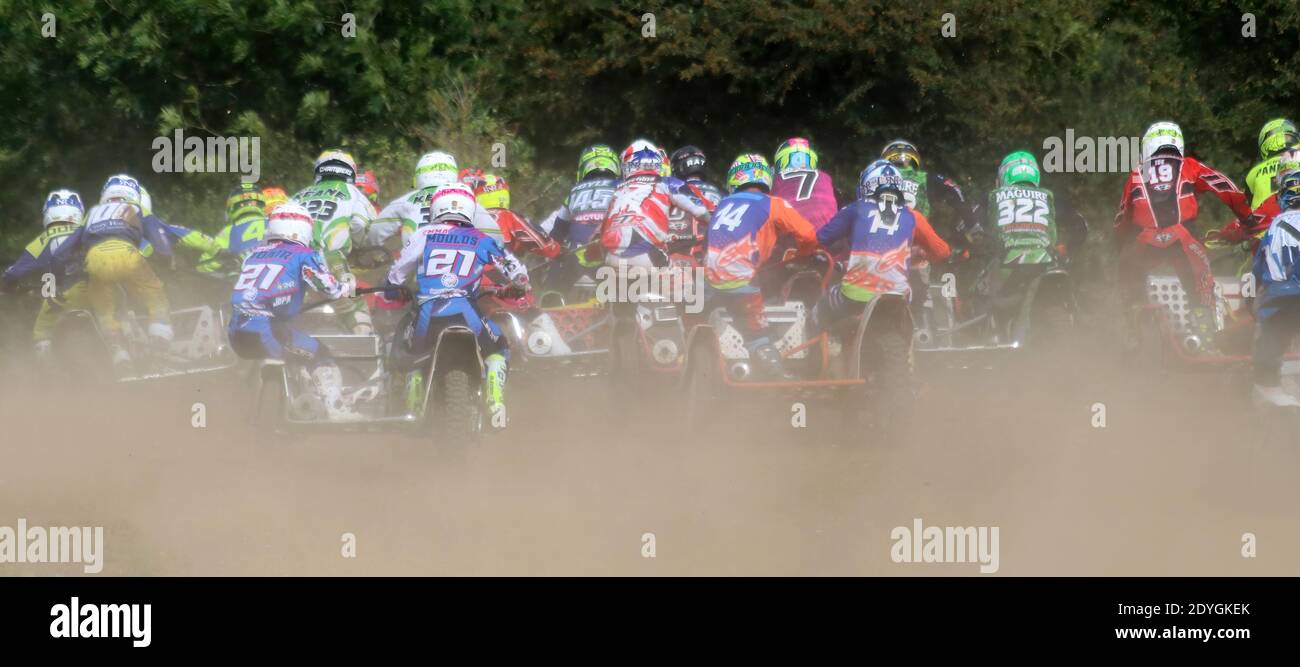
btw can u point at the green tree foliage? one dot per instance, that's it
(542, 78)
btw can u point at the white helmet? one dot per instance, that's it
(290, 222)
(453, 205)
(335, 164)
(63, 206)
(1162, 134)
(434, 169)
(121, 187)
(642, 157)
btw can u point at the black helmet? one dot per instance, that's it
(687, 161)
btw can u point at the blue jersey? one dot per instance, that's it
(449, 261)
(1277, 261)
(271, 280)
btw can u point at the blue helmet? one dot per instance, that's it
(62, 206)
(1288, 190)
(879, 177)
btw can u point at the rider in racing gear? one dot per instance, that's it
(521, 236)
(268, 295)
(450, 256)
(576, 221)
(798, 181)
(741, 236)
(114, 238)
(1021, 217)
(688, 164)
(1275, 138)
(881, 230)
(635, 230)
(340, 210)
(1153, 225)
(61, 217)
(1277, 272)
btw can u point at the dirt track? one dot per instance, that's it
(1167, 487)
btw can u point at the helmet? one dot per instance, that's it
(902, 153)
(796, 153)
(493, 192)
(471, 177)
(688, 161)
(1018, 167)
(120, 188)
(595, 159)
(273, 197)
(62, 206)
(878, 178)
(642, 157)
(244, 197)
(290, 222)
(369, 185)
(750, 169)
(335, 165)
(1287, 160)
(434, 169)
(1276, 136)
(1288, 190)
(665, 166)
(1159, 136)
(146, 202)
(453, 205)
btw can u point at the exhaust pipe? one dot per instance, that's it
(1192, 344)
(739, 370)
(924, 337)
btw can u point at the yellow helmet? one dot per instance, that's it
(493, 192)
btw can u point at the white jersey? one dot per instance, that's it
(411, 211)
(341, 212)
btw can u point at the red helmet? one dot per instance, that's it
(472, 177)
(369, 185)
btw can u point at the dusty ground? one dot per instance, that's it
(1167, 487)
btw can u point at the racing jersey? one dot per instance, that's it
(449, 261)
(339, 210)
(637, 220)
(271, 279)
(880, 246)
(742, 232)
(1023, 219)
(1162, 193)
(582, 213)
(810, 192)
(38, 258)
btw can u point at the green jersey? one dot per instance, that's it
(1024, 220)
(1259, 181)
(914, 190)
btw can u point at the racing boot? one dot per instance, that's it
(329, 384)
(496, 385)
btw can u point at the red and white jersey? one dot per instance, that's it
(637, 221)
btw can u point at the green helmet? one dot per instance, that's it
(597, 157)
(1018, 167)
(750, 169)
(1276, 136)
(244, 196)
